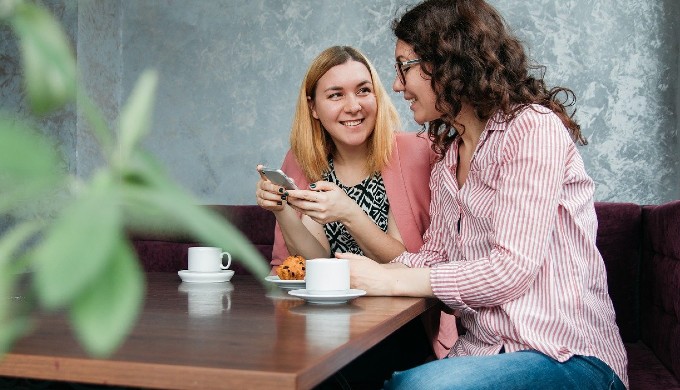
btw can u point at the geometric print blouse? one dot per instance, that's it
(371, 196)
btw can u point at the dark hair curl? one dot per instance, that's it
(472, 57)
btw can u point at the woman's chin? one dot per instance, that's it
(419, 120)
(424, 119)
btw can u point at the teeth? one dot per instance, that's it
(411, 101)
(353, 123)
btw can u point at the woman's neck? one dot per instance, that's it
(473, 126)
(350, 165)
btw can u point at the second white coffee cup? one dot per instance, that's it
(327, 276)
(207, 259)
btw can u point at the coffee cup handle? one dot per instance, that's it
(228, 260)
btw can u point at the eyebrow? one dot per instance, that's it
(336, 88)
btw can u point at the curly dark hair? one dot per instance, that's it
(472, 57)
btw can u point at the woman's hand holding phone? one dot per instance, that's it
(325, 203)
(268, 194)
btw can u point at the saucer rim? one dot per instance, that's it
(206, 277)
(285, 284)
(270, 278)
(351, 294)
(222, 271)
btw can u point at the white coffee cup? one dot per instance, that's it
(207, 259)
(327, 276)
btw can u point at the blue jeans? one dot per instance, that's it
(518, 370)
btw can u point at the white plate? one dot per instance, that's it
(205, 277)
(327, 299)
(286, 284)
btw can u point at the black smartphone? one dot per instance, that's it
(279, 178)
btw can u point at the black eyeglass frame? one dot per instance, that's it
(403, 66)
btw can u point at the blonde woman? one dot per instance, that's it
(347, 157)
(363, 185)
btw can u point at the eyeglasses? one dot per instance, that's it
(403, 66)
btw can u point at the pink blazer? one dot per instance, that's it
(407, 182)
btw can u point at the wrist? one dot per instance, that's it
(285, 213)
(349, 218)
(393, 283)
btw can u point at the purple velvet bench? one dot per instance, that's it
(640, 246)
(641, 250)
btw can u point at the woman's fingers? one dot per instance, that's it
(322, 186)
(350, 256)
(268, 196)
(307, 195)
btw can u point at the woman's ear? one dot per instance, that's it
(310, 103)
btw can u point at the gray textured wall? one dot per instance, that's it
(230, 71)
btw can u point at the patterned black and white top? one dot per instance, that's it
(371, 196)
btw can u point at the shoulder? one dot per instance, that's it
(412, 143)
(411, 156)
(415, 146)
(534, 116)
(404, 136)
(290, 162)
(532, 119)
(535, 128)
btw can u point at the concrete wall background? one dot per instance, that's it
(230, 72)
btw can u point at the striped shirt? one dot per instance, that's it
(513, 250)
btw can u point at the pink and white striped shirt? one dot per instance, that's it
(513, 250)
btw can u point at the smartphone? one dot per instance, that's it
(279, 178)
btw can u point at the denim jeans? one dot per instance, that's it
(518, 370)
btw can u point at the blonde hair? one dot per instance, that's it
(310, 142)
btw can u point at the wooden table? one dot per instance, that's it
(238, 334)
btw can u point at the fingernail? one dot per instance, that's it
(283, 197)
(313, 185)
(279, 203)
(281, 189)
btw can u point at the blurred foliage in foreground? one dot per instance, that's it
(77, 256)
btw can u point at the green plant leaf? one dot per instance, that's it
(13, 240)
(97, 123)
(12, 324)
(11, 329)
(26, 156)
(106, 311)
(78, 245)
(49, 65)
(135, 118)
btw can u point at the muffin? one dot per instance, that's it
(292, 268)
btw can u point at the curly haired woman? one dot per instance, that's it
(511, 244)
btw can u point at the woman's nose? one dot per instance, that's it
(352, 105)
(397, 85)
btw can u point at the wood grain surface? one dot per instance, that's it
(244, 334)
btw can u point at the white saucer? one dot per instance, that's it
(286, 284)
(205, 277)
(327, 299)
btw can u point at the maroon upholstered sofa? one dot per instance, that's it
(640, 246)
